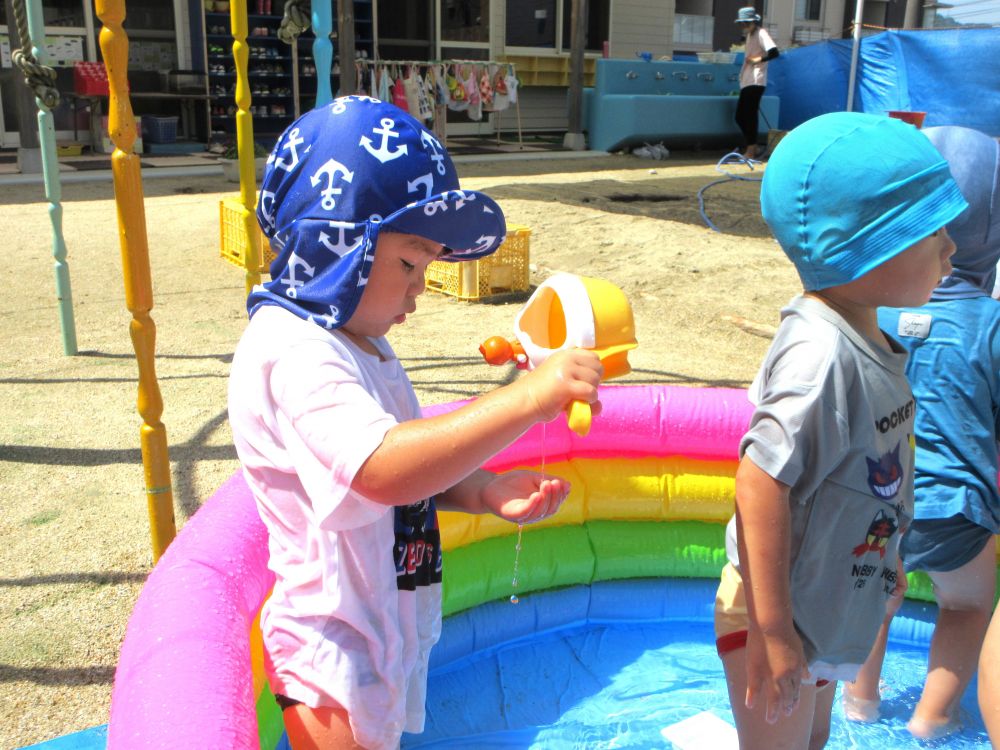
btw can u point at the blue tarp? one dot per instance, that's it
(951, 74)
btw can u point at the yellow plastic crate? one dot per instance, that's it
(233, 237)
(503, 272)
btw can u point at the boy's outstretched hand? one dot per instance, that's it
(568, 375)
(524, 496)
(776, 666)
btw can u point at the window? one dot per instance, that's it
(598, 13)
(807, 10)
(465, 21)
(535, 23)
(404, 29)
(531, 23)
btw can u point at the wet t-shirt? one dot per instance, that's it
(834, 421)
(356, 606)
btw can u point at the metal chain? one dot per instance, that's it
(295, 21)
(40, 78)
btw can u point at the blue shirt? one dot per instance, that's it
(954, 371)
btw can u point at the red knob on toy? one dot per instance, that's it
(496, 350)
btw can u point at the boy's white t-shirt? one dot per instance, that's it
(357, 603)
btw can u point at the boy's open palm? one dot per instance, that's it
(524, 496)
(776, 666)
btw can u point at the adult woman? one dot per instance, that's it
(753, 76)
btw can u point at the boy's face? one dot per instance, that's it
(395, 282)
(907, 279)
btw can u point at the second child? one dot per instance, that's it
(824, 486)
(954, 368)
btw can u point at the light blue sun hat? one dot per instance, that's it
(747, 15)
(845, 192)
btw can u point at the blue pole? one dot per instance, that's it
(53, 188)
(322, 21)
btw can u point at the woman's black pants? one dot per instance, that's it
(747, 108)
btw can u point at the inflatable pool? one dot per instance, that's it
(652, 487)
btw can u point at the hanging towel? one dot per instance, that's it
(500, 98)
(456, 93)
(512, 83)
(471, 86)
(384, 86)
(399, 94)
(485, 87)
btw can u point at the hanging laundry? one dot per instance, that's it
(384, 86)
(430, 86)
(486, 88)
(441, 93)
(416, 100)
(426, 90)
(399, 94)
(511, 80)
(423, 101)
(471, 86)
(500, 98)
(457, 100)
(410, 91)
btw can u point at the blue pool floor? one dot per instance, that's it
(620, 684)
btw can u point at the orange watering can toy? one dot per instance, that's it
(568, 311)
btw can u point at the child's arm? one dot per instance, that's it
(775, 660)
(425, 457)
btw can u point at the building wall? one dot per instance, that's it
(641, 26)
(788, 31)
(635, 26)
(542, 108)
(727, 32)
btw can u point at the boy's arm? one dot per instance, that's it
(775, 660)
(424, 457)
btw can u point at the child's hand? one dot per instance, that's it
(568, 375)
(776, 666)
(524, 496)
(895, 600)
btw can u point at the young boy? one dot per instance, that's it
(825, 481)
(357, 199)
(954, 369)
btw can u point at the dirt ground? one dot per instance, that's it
(75, 541)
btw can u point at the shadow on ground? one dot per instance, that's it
(733, 206)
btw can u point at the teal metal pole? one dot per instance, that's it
(322, 22)
(53, 188)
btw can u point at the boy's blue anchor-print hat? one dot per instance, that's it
(338, 176)
(845, 192)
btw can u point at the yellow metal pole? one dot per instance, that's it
(135, 269)
(244, 143)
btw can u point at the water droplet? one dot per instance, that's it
(514, 599)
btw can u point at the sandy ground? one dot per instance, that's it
(74, 527)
